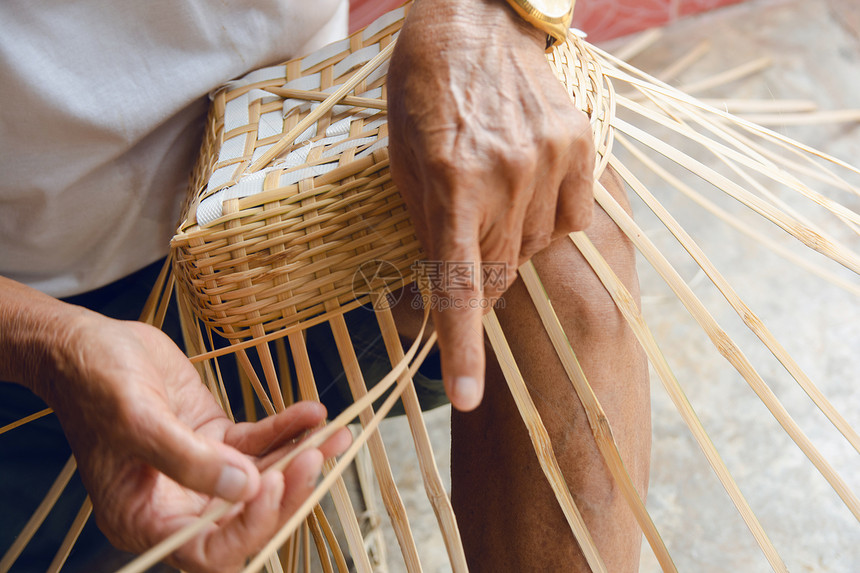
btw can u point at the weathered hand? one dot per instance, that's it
(492, 158)
(153, 447)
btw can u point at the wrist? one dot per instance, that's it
(484, 21)
(36, 337)
(551, 17)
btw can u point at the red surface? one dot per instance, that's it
(601, 19)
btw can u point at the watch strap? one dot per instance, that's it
(550, 16)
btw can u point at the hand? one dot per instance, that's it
(490, 155)
(153, 447)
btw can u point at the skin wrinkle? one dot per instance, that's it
(512, 167)
(485, 146)
(126, 398)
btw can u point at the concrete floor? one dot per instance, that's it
(815, 45)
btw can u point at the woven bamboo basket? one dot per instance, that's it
(292, 197)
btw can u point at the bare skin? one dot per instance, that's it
(152, 445)
(494, 162)
(538, 537)
(508, 515)
(490, 155)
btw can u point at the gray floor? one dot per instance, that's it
(815, 46)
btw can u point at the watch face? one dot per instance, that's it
(552, 8)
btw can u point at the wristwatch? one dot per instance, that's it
(550, 16)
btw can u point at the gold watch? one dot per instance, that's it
(550, 16)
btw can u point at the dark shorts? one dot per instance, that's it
(31, 456)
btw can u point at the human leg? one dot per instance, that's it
(508, 515)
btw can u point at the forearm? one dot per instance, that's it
(35, 331)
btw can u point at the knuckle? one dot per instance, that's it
(442, 165)
(533, 244)
(521, 163)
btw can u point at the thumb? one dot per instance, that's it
(195, 461)
(457, 312)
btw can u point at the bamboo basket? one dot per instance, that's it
(291, 196)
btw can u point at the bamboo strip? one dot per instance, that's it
(390, 496)
(433, 486)
(366, 102)
(247, 395)
(220, 508)
(374, 539)
(306, 547)
(816, 171)
(541, 441)
(810, 118)
(339, 559)
(308, 390)
(71, 536)
(728, 76)
(808, 237)
(158, 319)
(274, 335)
(634, 318)
(319, 542)
(148, 312)
(727, 218)
(296, 556)
(339, 493)
(640, 43)
(286, 553)
(347, 457)
(25, 420)
(654, 85)
(597, 419)
(284, 371)
(269, 371)
(274, 565)
(724, 343)
(257, 330)
(847, 216)
(38, 516)
(742, 147)
(678, 67)
(284, 143)
(742, 106)
(765, 169)
(248, 369)
(192, 337)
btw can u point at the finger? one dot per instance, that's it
(539, 222)
(500, 251)
(576, 193)
(335, 445)
(226, 546)
(300, 479)
(247, 533)
(270, 433)
(457, 318)
(194, 461)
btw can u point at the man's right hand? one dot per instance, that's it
(490, 155)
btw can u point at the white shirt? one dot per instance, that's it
(101, 109)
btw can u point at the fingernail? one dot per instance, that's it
(231, 483)
(467, 392)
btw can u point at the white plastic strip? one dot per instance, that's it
(324, 53)
(384, 21)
